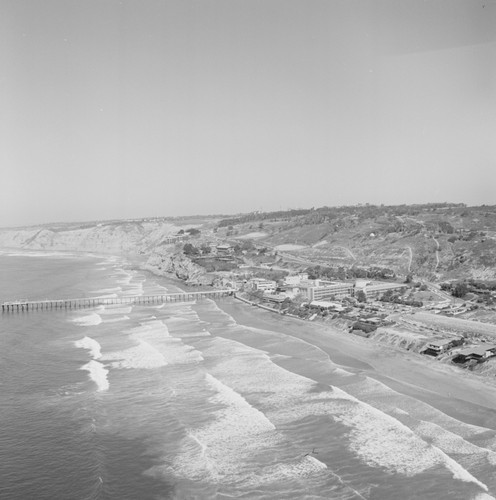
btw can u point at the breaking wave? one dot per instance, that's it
(98, 373)
(227, 448)
(91, 344)
(153, 348)
(379, 439)
(92, 319)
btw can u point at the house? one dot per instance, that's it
(224, 249)
(478, 353)
(439, 346)
(372, 321)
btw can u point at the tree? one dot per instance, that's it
(206, 249)
(360, 296)
(247, 245)
(189, 249)
(460, 289)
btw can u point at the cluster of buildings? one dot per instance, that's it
(318, 290)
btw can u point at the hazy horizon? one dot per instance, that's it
(231, 214)
(127, 110)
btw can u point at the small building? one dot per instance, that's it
(224, 249)
(169, 240)
(326, 306)
(292, 280)
(375, 320)
(477, 353)
(278, 298)
(440, 346)
(262, 284)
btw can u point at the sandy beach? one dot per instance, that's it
(460, 394)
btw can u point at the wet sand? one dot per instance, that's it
(463, 395)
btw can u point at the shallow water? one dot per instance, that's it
(185, 401)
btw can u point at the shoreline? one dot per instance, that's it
(437, 384)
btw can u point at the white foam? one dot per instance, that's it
(98, 373)
(116, 320)
(377, 438)
(126, 280)
(224, 449)
(109, 290)
(154, 348)
(305, 467)
(381, 440)
(452, 443)
(91, 344)
(237, 430)
(460, 473)
(257, 422)
(449, 435)
(142, 355)
(116, 310)
(156, 306)
(133, 291)
(38, 254)
(92, 319)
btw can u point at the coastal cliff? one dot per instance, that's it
(148, 240)
(163, 262)
(112, 237)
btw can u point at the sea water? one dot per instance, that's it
(181, 401)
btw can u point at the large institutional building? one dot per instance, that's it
(320, 289)
(333, 290)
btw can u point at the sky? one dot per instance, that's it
(147, 108)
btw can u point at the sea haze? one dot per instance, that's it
(207, 400)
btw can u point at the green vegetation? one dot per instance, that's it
(481, 290)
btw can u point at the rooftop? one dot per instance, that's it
(479, 350)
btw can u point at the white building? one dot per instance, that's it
(376, 289)
(321, 290)
(262, 284)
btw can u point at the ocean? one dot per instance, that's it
(214, 400)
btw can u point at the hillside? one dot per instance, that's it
(434, 241)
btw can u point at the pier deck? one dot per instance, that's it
(38, 305)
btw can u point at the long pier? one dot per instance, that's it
(49, 304)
